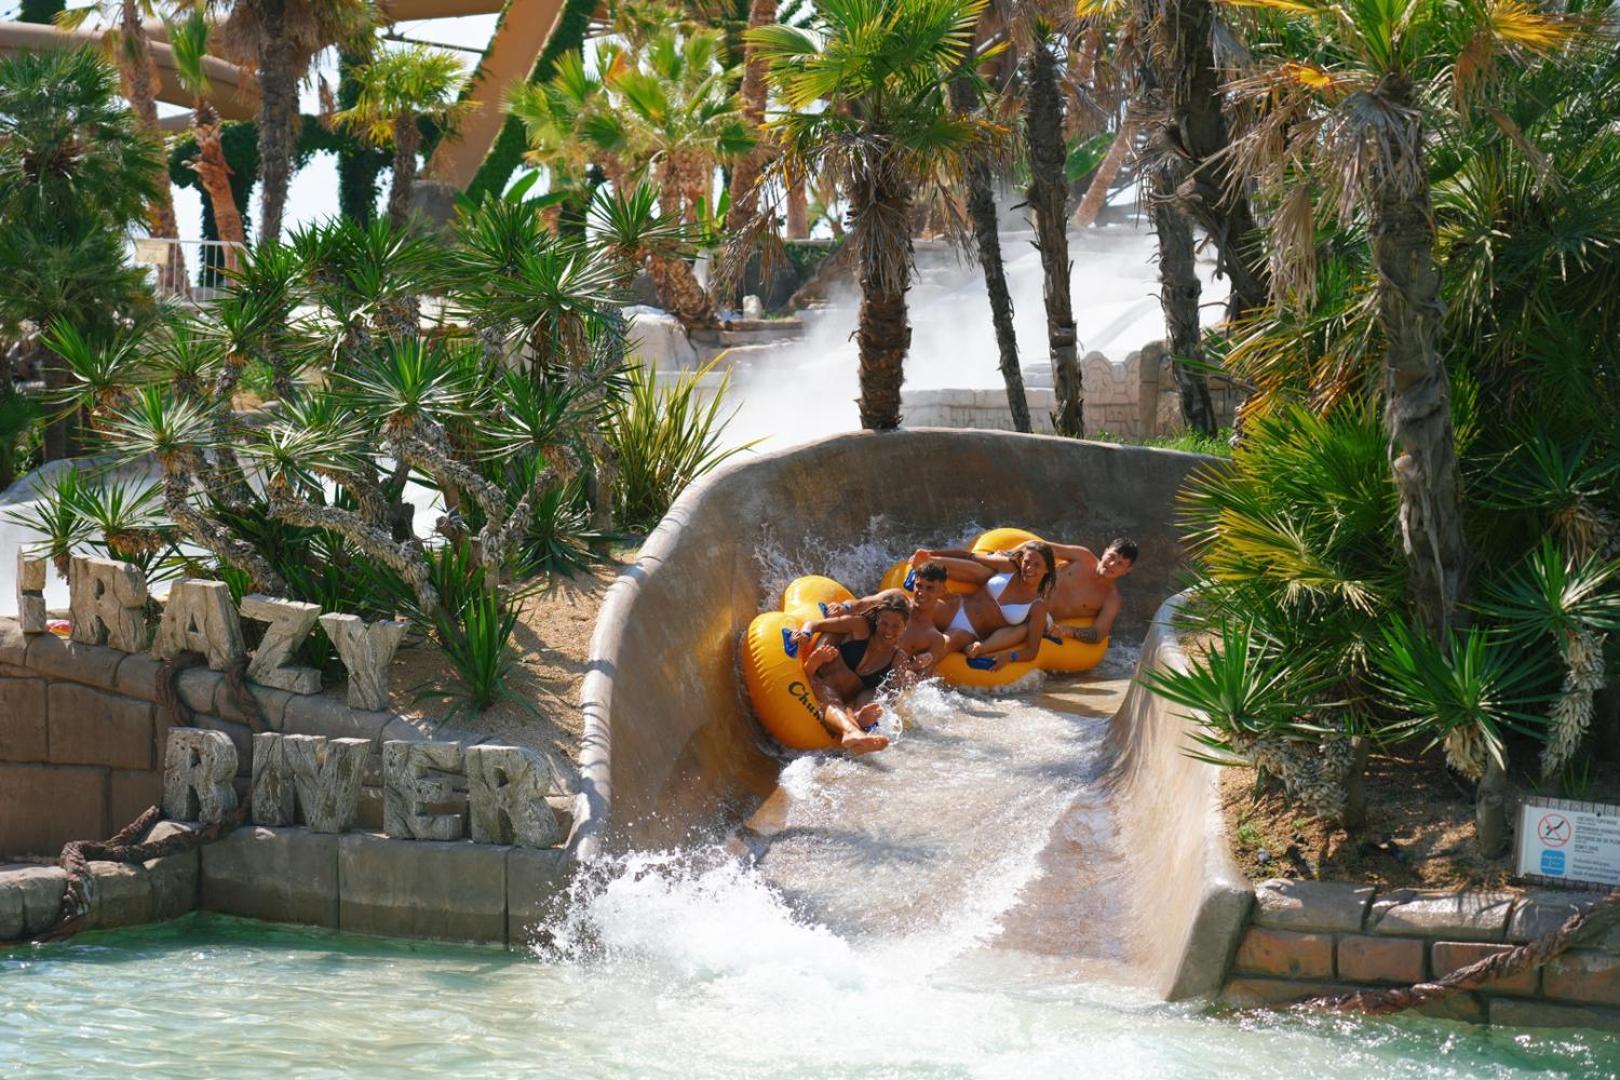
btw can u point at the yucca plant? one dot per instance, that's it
(665, 437)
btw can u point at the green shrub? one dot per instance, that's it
(664, 438)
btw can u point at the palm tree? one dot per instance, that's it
(76, 171)
(278, 39)
(1352, 130)
(398, 89)
(981, 205)
(887, 135)
(755, 96)
(128, 42)
(189, 40)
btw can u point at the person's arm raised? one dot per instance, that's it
(1071, 552)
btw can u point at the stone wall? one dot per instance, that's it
(1134, 399)
(82, 738)
(356, 882)
(1309, 938)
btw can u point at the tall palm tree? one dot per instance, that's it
(1035, 24)
(866, 105)
(981, 205)
(189, 40)
(279, 39)
(397, 89)
(1352, 130)
(129, 44)
(754, 95)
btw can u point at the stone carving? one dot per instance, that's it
(407, 790)
(506, 795)
(198, 767)
(275, 795)
(30, 594)
(289, 624)
(108, 600)
(366, 650)
(326, 775)
(199, 618)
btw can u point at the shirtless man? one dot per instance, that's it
(1085, 586)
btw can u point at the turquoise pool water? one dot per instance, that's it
(217, 997)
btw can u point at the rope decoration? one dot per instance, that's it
(122, 847)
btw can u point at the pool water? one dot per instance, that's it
(939, 910)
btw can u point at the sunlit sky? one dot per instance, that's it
(313, 195)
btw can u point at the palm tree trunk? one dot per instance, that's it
(680, 292)
(278, 118)
(981, 204)
(1091, 203)
(1220, 206)
(214, 174)
(1048, 198)
(883, 336)
(798, 210)
(1417, 407)
(407, 140)
(136, 57)
(754, 95)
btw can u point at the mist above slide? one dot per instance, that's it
(670, 749)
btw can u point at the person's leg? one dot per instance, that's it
(1002, 640)
(842, 723)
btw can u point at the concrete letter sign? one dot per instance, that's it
(275, 797)
(199, 618)
(108, 599)
(506, 795)
(198, 767)
(290, 623)
(326, 775)
(407, 791)
(366, 650)
(30, 594)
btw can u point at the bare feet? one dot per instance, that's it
(863, 743)
(819, 657)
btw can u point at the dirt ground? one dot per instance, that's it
(1419, 831)
(552, 640)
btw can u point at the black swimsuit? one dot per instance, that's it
(853, 652)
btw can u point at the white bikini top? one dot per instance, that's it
(1013, 613)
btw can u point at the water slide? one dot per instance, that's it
(1073, 808)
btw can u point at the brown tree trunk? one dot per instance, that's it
(278, 118)
(407, 140)
(1179, 289)
(1048, 198)
(1417, 406)
(981, 204)
(1198, 125)
(883, 336)
(1091, 203)
(136, 66)
(680, 292)
(754, 95)
(798, 210)
(214, 174)
(1491, 811)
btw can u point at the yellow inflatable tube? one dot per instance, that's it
(1001, 540)
(813, 589)
(773, 669)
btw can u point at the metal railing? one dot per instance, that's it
(195, 270)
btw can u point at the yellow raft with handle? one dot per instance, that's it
(773, 664)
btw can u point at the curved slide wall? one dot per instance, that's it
(670, 745)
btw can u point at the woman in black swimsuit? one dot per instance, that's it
(845, 673)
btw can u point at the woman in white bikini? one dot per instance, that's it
(1013, 597)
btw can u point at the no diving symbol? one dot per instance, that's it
(1553, 830)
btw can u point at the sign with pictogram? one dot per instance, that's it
(1563, 842)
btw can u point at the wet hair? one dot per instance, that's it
(1044, 550)
(932, 571)
(1125, 548)
(899, 605)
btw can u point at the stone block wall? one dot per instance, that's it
(1310, 938)
(82, 738)
(1133, 399)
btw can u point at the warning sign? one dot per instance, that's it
(1568, 843)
